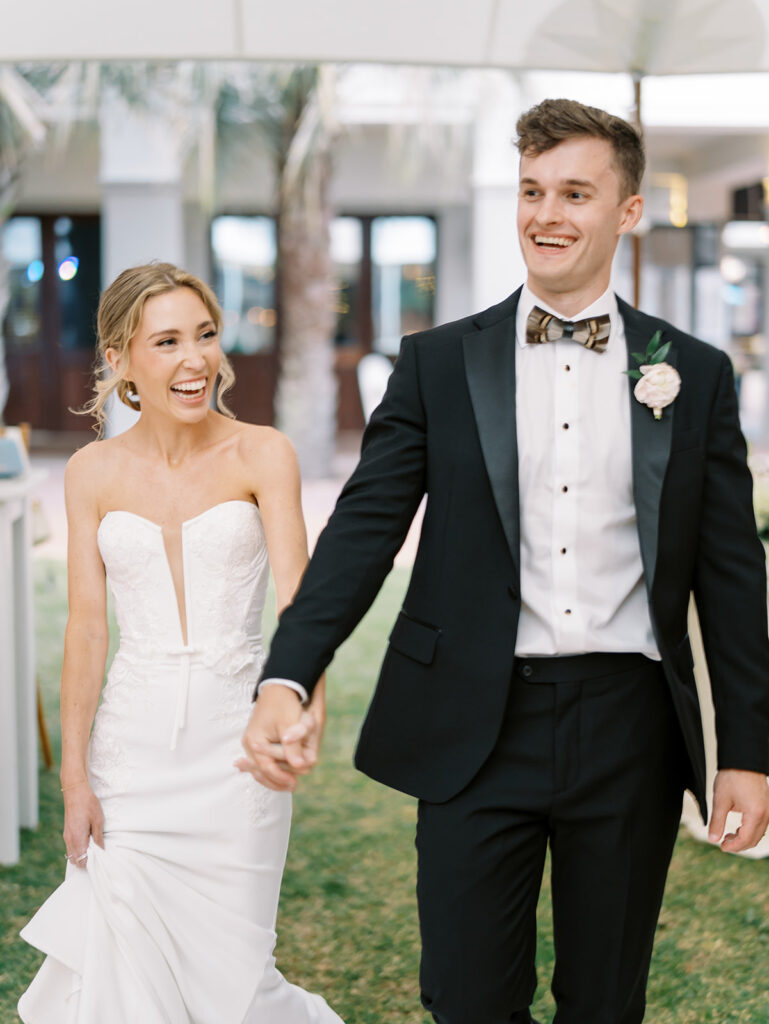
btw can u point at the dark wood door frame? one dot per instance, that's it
(45, 380)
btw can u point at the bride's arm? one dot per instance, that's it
(277, 488)
(278, 716)
(85, 653)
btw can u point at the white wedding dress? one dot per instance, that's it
(174, 920)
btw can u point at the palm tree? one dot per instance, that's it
(292, 106)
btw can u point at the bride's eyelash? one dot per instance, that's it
(172, 341)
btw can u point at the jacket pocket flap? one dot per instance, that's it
(415, 639)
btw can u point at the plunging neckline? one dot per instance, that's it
(181, 619)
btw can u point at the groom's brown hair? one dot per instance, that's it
(553, 121)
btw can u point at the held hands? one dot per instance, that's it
(83, 821)
(282, 739)
(748, 793)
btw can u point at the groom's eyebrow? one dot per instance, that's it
(581, 182)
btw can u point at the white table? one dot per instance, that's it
(18, 697)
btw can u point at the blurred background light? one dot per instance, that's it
(35, 271)
(68, 268)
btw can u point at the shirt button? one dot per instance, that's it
(567, 368)
(527, 671)
(568, 611)
(566, 426)
(563, 551)
(564, 488)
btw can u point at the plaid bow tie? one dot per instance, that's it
(592, 333)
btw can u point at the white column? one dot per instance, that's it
(197, 241)
(497, 264)
(142, 200)
(454, 292)
(141, 179)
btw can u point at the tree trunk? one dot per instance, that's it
(305, 399)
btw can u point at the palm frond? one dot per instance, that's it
(22, 130)
(312, 135)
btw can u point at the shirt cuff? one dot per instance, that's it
(296, 687)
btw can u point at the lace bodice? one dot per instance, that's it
(225, 569)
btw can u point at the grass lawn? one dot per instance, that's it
(348, 926)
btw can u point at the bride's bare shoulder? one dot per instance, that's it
(95, 455)
(264, 443)
(268, 459)
(92, 467)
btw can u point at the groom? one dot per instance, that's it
(538, 688)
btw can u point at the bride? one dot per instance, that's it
(167, 912)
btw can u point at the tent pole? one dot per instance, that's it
(637, 76)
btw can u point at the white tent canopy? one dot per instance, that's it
(654, 37)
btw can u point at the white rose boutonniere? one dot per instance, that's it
(658, 381)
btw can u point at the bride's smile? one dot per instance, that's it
(190, 391)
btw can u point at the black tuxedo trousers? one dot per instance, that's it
(593, 766)
(446, 698)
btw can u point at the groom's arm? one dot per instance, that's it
(352, 557)
(356, 550)
(730, 591)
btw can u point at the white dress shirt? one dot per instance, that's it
(582, 585)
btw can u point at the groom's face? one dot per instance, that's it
(571, 213)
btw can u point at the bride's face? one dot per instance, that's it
(174, 357)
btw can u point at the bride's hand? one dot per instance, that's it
(83, 820)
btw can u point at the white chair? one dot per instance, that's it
(373, 371)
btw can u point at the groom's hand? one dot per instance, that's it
(280, 741)
(747, 793)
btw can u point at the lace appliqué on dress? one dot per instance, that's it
(255, 797)
(234, 709)
(238, 673)
(108, 764)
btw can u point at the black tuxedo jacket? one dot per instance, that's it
(447, 427)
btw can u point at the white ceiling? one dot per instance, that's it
(654, 36)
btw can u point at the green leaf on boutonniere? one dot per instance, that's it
(655, 353)
(653, 345)
(661, 353)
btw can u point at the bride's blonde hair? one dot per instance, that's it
(117, 321)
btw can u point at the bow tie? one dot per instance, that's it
(592, 333)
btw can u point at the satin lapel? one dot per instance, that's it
(651, 446)
(490, 369)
